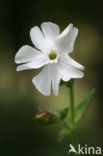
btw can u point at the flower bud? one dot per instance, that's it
(46, 117)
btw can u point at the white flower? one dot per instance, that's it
(52, 53)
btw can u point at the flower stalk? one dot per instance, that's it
(72, 106)
(72, 114)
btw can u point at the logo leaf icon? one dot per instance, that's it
(72, 149)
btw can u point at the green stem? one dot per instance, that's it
(73, 135)
(72, 106)
(74, 139)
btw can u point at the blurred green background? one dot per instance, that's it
(19, 100)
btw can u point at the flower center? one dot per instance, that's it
(52, 55)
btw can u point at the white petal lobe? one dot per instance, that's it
(56, 75)
(43, 81)
(37, 63)
(50, 30)
(71, 40)
(38, 38)
(68, 60)
(70, 72)
(65, 41)
(60, 41)
(66, 31)
(26, 54)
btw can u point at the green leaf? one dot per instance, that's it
(82, 108)
(64, 133)
(63, 113)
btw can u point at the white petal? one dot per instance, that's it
(38, 38)
(70, 72)
(71, 40)
(37, 63)
(66, 31)
(65, 42)
(26, 54)
(43, 81)
(60, 41)
(67, 59)
(56, 75)
(66, 77)
(50, 30)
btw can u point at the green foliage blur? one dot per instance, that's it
(19, 100)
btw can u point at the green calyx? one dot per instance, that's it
(52, 55)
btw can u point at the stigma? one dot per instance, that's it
(52, 55)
